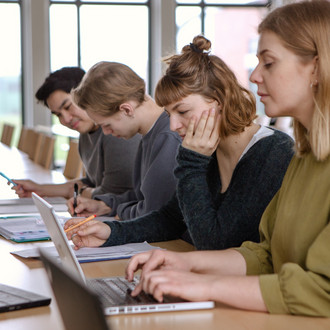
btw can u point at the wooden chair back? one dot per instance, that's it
(21, 138)
(73, 166)
(44, 150)
(32, 143)
(7, 134)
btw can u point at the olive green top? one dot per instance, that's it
(293, 256)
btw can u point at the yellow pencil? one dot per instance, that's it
(80, 223)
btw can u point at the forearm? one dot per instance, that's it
(225, 262)
(162, 225)
(53, 190)
(242, 292)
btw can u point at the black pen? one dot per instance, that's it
(75, 194)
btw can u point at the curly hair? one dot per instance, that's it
(196, 71)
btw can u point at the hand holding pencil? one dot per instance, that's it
(87, 232)
(80, 223)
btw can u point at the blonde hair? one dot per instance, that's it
(195, 71)
(106, 86)
(304, 29)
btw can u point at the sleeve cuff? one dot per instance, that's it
(272, 294)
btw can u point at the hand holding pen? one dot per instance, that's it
(75, 195)
(8, 179)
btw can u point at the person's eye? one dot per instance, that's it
(268, 65)
(182, 112)
(68, 106)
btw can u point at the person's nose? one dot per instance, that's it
(175, 123)
(256, 77)
(66, 117)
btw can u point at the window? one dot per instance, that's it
(231, 27)
(85, 33)
(10, 66)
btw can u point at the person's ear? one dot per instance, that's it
(315, 73)
(127, 109)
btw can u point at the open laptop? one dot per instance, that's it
(80, 308)
(114, 292)
(12, 299)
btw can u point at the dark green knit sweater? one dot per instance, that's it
(214, 220)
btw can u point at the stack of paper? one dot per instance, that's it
(26, 205)
(24, 228)
(94, 254)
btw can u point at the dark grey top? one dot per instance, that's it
(153, 180)
(214, 220)
(108, 161)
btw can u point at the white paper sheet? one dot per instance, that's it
(93, 254)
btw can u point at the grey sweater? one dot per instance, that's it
(108, 161)
(153, 180)
(214, 220)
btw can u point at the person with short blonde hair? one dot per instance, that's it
(228, 170)
(288, 271)
(106, 86)
(108, 162)
(114, 96)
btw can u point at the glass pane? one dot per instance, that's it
(122, 1)
(235, 43)
(10, 68)
(236, 2)
(188, 22)
(115, 33)
(63, 36)
(188, 1)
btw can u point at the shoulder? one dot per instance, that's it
(161, 130)
(276, 150)
(276, 141)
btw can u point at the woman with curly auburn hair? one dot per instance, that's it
(288, 271)
(228, 170)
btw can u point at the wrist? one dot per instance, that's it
(81, 190)
(104, 208)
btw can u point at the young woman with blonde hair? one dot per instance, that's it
(228, 170)
(288, 271)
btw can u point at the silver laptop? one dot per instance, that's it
(114, 292)
(12, 298)
(80, 308)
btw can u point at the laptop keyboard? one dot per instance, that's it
(10, 299)
(116, 291)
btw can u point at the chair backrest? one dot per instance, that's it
(7, 134)
(32, 143)
(28, 141)
(44, 150)
(21, 141)
(73, 166)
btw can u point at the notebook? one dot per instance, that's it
(80, 308)
(12, 298)
(114, 292)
